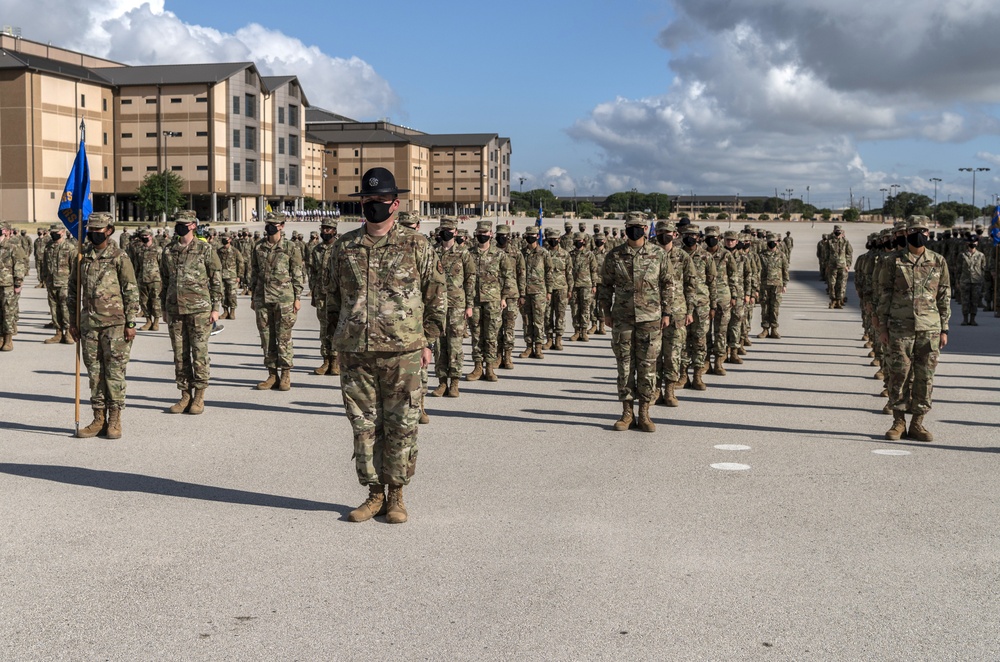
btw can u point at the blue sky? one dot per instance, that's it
(675, 96)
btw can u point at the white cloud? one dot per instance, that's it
(137, 33)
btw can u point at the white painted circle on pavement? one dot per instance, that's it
(732, 447)
(885, 451)
(730, 466)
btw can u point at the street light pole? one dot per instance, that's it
(166, 176)
(416, 193)
(974, 171)
(893, 192)
(935, 180)
(788, 203)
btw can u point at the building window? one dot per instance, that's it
(83, 101)
(281, 114)
(236, 172)
(250, 139)
(151, 134)
(126, 168)
(175, 100)
(126, 135)
(334, 153)
(105, 137)
(104, 107)
(355, 156)
(150, 168)
(251, 105)
(201, 99)
(202, 134)
(293, 115)
(105, 172)
(281, 145)
(355, 189)
(293, 175)
(126, 102)
(236, 105)
(281, 176)
(334, 189)
(335, 172)
(203, 167)
(236, 138)
(293, 145)
(355, 171)
(151, 101)
(176, 167)
(251, 170)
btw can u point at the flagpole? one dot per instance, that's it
(79, 289)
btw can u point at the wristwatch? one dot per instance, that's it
(130, 325)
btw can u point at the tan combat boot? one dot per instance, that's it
(147, 325)
(395, 512)
(645, 424)
(272, 379)
(574, 337)
(626, 419)
(232, 313)
(879, 374)
(584, 337)
(538, 352)
(181, 406)
(334, 366)
(95, 428)
(871, 354)
(670, 398)
(917, 430)
(424, 418)
(887, 409)
(898, 429)
(489, 375)
(323, 368)
(972, 320)
(373, 505)
(57, 338)
(600, 328)
(156, 325)
(114, 424)
(197, 402)
(8, 343)
(719, 369)
(439, 391)
(734, 356)
(495, 363)
(508, 361)
(762, 334)
(526, 353)
(477, 372)
(682, 382)
(697, 383)
(557, 345)
(67, 338)
(548, 344)
(774, 334)
(452, 388)
(286, 380)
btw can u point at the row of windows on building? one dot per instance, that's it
(248, 140)
(249, 106)
(246, 172)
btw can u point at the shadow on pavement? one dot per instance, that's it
(126, 482)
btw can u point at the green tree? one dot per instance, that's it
(310, 204)
(585, 209)
(946, 217)
(851, 214)
(906, 204)
(826, 214)
(809, 214)
(721, 216)
(785, 216)
(764, 217)
(153, 189)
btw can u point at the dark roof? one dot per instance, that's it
(172, 74)
(315, 115)
(453, 139)
(337, 137)
(274, 82)
(11, 60)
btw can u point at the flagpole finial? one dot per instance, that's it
(83, 131)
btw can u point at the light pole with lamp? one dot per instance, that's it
(974, 171)
(893, 193)
(788, 204)
(416, 189)
(166, 175)
(935, 180)
(883, 202)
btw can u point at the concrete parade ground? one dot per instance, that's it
(767, 518)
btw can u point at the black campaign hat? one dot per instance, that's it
(378, 181)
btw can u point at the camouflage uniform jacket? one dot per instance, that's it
(385, 294)
(275, 272)
(537, 271)
(459, 276)
(230, 261)
(584, 265)
(773, 268)
(517, 261)
(744, 278)
(839, 252)
(973, 268)
(566, 241)
(637, 284)
(192, 278)
(318, 263)
(914, 292)
(705, 293)
(58, 260)
(562, 270)
(39, 248)
(12, 269)
(683, 267)
(109, 295)
(727, 277)
(495, 277)
(147, 263)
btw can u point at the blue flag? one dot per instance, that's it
(995, 226)
(76, 205)
(541, 214)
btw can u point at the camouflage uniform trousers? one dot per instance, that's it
(836, 282)
(230, 288)
(718, 329)
(735, 327)
(59, 305)
(484, 326)
(534, 319)
(972, 295)
(326, 349)
(696, 347)
(189, 336)
(106, 353)
(382, 396)
(672, 348)
(149, 300)
(770, 306)
(636, 348)
(448, 354)
(555, 314)
(508, 321)
(912, 360)
(275, 322)
(583, 298)
(9, 311)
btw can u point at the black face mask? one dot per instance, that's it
(973, 244)
(578, 244)
(376, 212)
(530, 239)
(502, 240)
(270, 229)
(634, 232)
(868, 246)
(327, 236)
(552, 242)
(97, 237)
(664, 239)
(712, 242)
(225, 242)
(690, 241)
(836, 234)
(900, 241)
(598, 242)
(772, 244)
(181, 229)
(979, 232)
(460, 240)
(446, 235)
(54, 235)
(483, 238)
(917, 239)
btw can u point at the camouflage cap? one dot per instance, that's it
(329, 223)
(462, 232)
(55, 227)
(271, 217)
(917, 223)
(145, 232)
(634, 218)
(978, 228)
(731, 234)
(567, 225)
(898, 226)
(690, 229)
(6, 226)
(837, 228)
(551, 233)
(484, 226)
(583, 226)
(748, 228)
(314, 234)
(503, 229)
(448, 223)
(409, 219)
(712, 231)
(186, 216)
(665, 226)
(771, 236)
(531, 230)
(597, 227)
(579, 236)
(100, 220)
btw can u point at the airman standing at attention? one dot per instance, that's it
(12, 274)
(703, 310)
(505, 342)
(773, 282)
(585, 277)
(600, 253)
(460, 285)
(319, 267)
(231, 261)
(411, 221)
(146, 259)
(675, 334)
(970, 280)
(39, 250)
(60, 257)
(637, 290)
(495, 283)
(105, 328)
(839, 256)
(561, 282)
(537, 291)
(727, 288)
